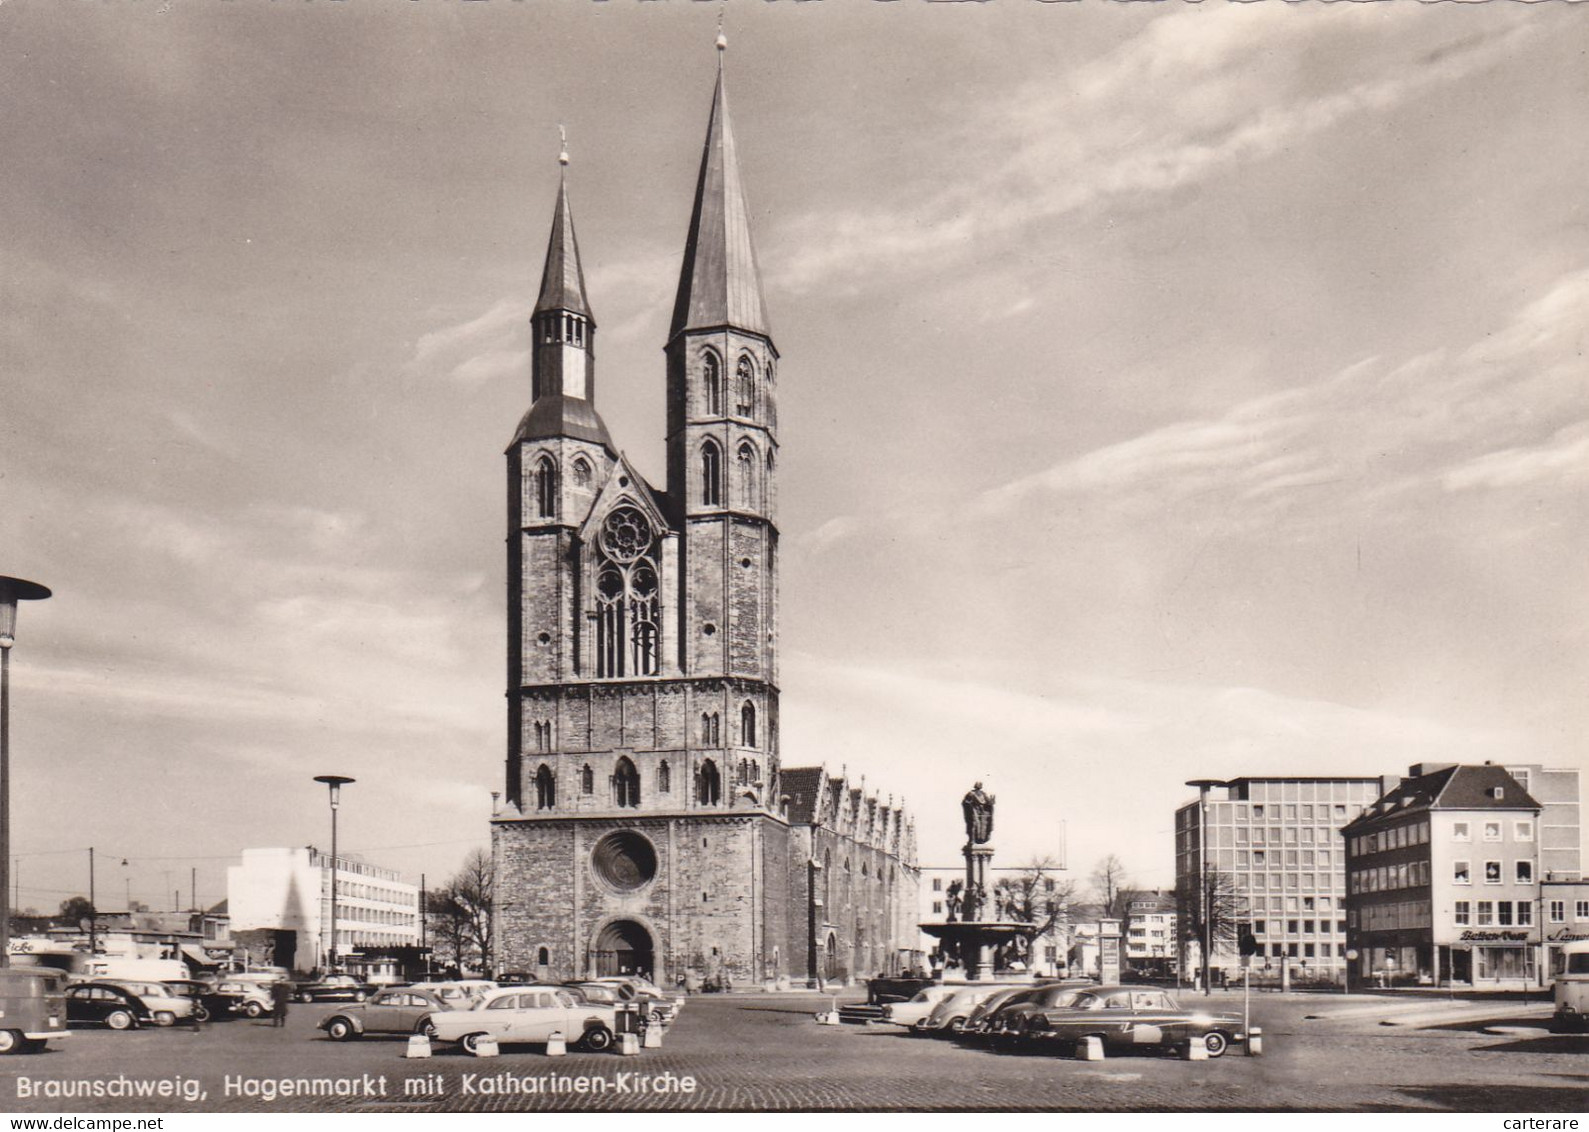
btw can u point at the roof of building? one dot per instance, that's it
(562, 279)
(1450, 788)
(803, 784)
(719, 284)
(555, 415)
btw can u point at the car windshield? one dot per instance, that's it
(1061, 996)
(1086, 1001)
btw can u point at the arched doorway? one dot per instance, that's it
(830, 958)
(624, 948)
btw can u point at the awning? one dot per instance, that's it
(197, 955)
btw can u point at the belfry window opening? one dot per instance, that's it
(745, 387)
(546, 488)
(712, 384)
(626, 785)
(711, 475)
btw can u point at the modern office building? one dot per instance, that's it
(1273, 846)
(279, 904)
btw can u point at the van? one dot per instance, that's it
(143, 970)
(32, 1008)
(1572, 990)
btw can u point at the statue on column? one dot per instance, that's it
(978, 809)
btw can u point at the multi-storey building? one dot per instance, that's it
(1272, 847)
(649, 823)
(1150, 931)
(1564, 918)
(279, 904)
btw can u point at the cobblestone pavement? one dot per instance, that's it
(766, 1052)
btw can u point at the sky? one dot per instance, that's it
(1167, 391)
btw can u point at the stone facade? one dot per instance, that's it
(648, 823)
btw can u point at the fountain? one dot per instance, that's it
(970, 935)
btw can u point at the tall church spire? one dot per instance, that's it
(562, 279)
(719, 285)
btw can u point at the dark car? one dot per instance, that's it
(332, 988)
(395, 1010)
(209, 1001)
(115, 1006)
(1125, 1018)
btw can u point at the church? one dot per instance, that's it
(648, 823)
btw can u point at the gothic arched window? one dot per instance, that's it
(711, 475)
(710, 789)
(747, 724)
(745, 387)
(582, 471)
(545, 788)
(745, 461)
(767, 496)
(626, 784)
(587, 780)
(712, 384)
(546, 488)
(711, 733)
(627, 597)
(664, 778)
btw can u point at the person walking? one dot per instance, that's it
(280, 996)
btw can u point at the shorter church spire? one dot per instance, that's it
(562, 279)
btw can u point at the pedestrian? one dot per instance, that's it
(280, 996)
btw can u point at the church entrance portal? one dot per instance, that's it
(624, 948)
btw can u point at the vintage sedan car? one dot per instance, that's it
(979, 1022)
(528, 1015)
(209, 1003)
(1125, 1018)
(396, 1010)
(950, 1014)
(125, 1006)
(914, 1009)
(332, 988)
(248, 997)
(653, 1004)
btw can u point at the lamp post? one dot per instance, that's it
(334, 784)
(12, 591)
(1203, 902)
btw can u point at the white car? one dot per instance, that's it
(909, 1013)
(528, 1015)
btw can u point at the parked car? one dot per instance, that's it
(460, 994)
(208, 1002)
(1570, 990)
(1128, 1018)
(950, 1013)
(655, 1005)
(397, 1010)
(32, 1008)
(1010, 1018)
(528, 1015)
(332, 988)
(248, 997)
(916, 1008)
(979, 1020)
(125, 1006)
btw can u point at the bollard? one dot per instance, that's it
(828, 1018)
(1255, 1042)
(556, 1044)
(628, 1044)
(1196, 1050)
(486, 1046)
(1089, 1049)
(653, 1038)
(418, 1046)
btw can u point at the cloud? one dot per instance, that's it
(1506, 411)
(1188, 99)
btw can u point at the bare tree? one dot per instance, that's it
(461, 913)
(1209, 909)
(1038, 894)
(1113, 888)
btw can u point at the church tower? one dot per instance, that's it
(644, 826)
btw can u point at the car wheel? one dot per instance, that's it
(597, 1039)
(165, 1018)
(302, 997)
(1215, 1043)
(11, 1041)
(427, 1028)
(340, 1030)
(254, 1010)
(201, 1013)
(120, 1020)
(471, 1043)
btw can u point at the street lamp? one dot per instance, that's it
(334, 783)
(1203, 901)
(12, 590)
